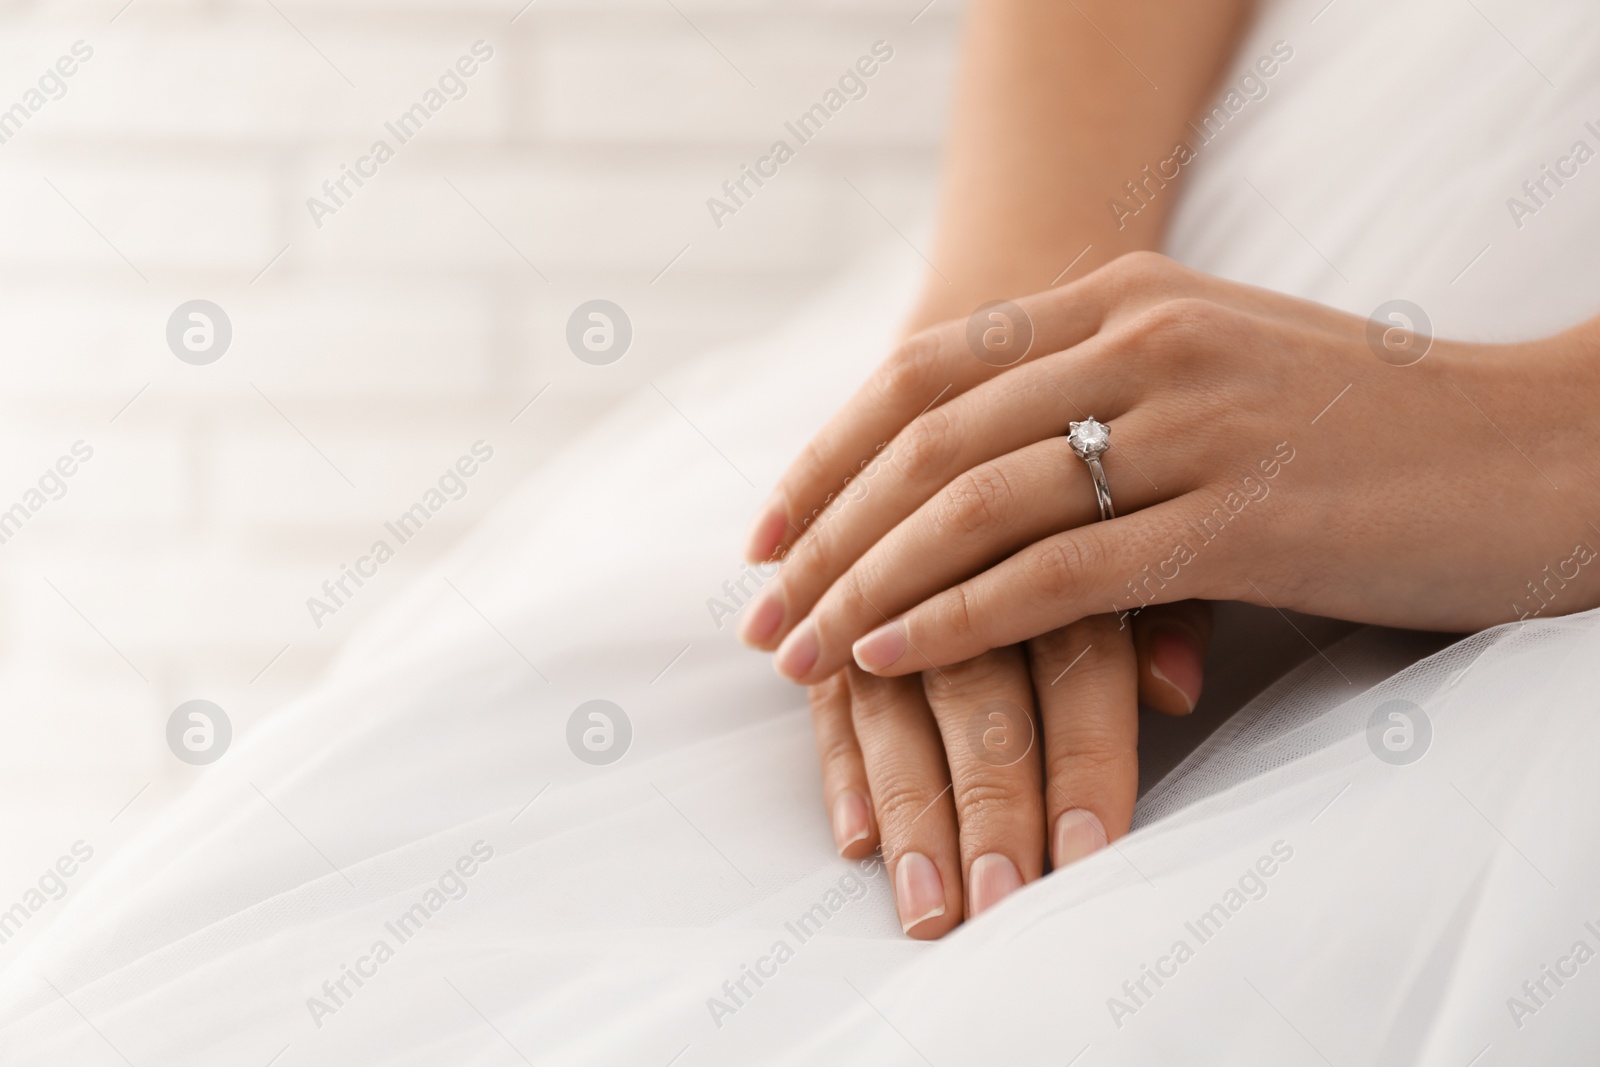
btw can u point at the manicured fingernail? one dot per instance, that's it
(763, 616)
(1078, 833)
(849, 820)
(766, 531)
(918, 890)
(798, 653)
(994, 877)
(1177, 659)
(881, 647)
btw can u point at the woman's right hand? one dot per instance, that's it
(978, 778)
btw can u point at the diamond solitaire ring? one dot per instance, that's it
(1089, 440)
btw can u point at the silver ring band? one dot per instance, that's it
(1089, 440)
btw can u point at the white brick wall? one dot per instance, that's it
(176, 166)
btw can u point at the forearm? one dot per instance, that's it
(1050, 119)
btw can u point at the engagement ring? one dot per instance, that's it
(1089, 440)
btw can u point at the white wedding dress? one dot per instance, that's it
(1293, 893)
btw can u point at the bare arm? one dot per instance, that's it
(1059, 103)
(1050, 119)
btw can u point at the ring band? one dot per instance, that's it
(1089, 440)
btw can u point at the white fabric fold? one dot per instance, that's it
(616, 914)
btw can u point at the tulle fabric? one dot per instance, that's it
(617, 914)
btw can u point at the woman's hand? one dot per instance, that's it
(1261, 451)
(943, 771)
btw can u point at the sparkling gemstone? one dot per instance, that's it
(1089, 437)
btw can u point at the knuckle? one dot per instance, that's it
(923, 451)
(874, 702)
(1139, 280)
(976, 675)
(1086, 761)
(848, 599)
(978, 498)
(910, 369)
(837, 751)
(984, 799)
(956, 618)
(1050, 648)
(809, 458)
(811, 557)
(827, 694)
(961, 688)
(824, 695)
(1057, 567)
(900, 801)
(1174, 327)
(1141, 264)
(1134, 273)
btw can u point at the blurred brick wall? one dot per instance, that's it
(369, 353)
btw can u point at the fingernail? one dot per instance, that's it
(798, 653)
(918, 890)
(763, 616)
(766, 531)
(1078, 833)
(994, 877)
(881, 647)
(1177, 659)
(849, 820)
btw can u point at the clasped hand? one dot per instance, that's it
(977, 639)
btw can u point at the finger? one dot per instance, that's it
(940, 364)
(930, 368)
(911, 796)
(984, 708)
(844, 774)
(980, 518)
(1154, 556)
(996, 418)
(1171, 642)
(1083, 674)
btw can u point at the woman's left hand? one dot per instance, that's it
(1263, 449)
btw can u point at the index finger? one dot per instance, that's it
(930, 368)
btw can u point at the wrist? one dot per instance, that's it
(1539, 396)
